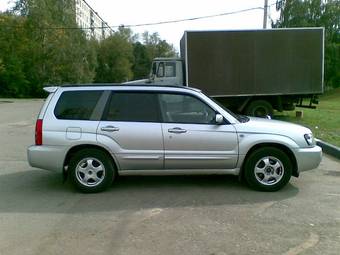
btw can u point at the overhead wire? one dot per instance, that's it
(192, 19)
(156, 23)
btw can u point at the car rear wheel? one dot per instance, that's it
(91, 170)
(268, 169)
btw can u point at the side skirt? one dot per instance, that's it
(235, 171)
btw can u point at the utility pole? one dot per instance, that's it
(265, 14)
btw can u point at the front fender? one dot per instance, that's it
(249, 140)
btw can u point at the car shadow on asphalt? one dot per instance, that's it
(44, 192)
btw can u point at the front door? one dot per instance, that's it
(192, 139)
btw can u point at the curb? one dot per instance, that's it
(329, 148)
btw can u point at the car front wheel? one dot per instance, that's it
(268, 169)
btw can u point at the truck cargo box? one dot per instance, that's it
(254, 62)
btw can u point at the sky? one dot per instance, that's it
(127, 12)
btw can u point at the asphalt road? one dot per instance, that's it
(158, 215)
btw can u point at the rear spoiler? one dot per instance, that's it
(51, 89)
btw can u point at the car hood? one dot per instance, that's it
(267, 126)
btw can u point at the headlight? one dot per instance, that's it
(309, 139)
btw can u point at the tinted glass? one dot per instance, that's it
(77, 105)
(125, 106)
(185, 109)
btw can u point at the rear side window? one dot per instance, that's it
(133, 106)
(77, 105)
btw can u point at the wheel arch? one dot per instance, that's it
(282, 147)
(79, 147)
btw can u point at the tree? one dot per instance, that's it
(142, 64)
(152, 46)
(13, 81)
(156, 47)
(115, 59)
(41, 44)
(53, 55)
(316, 13)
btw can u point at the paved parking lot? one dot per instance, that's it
(158, 215)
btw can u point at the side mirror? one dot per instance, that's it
(219, 119)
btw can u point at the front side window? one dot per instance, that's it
(181, 108)
(77, 105)
(133, 106)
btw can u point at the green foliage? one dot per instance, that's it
(36, 50)
(13, 81)
(142, 63)
(151, 48)
(156, 47)
(34, 55)
(115, 58)
(317, 13)
(58, 55)
(323, 121)
(121, 57)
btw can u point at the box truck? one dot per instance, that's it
(250, 71)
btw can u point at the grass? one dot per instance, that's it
(324, 121)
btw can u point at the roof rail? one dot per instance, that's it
(51, 89)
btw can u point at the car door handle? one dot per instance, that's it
(177, 130)
(109, 129)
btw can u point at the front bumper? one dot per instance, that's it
(308, 158)
(46, 157)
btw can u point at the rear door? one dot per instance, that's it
(192, 139)
(131, 128)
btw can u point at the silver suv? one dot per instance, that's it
(93, 133)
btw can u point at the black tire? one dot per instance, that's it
(276, 167)
(259, 108)
(91, 170)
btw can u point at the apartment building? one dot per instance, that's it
(92, 24)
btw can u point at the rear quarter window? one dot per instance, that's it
(77, 105)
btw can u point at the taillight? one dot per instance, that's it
(38, 132)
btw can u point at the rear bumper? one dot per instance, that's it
(308, 158)
(46, 157)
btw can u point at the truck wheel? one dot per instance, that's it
(259, 108)
(267, 169)
(91, 170)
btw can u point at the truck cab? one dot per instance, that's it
(167, 71)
